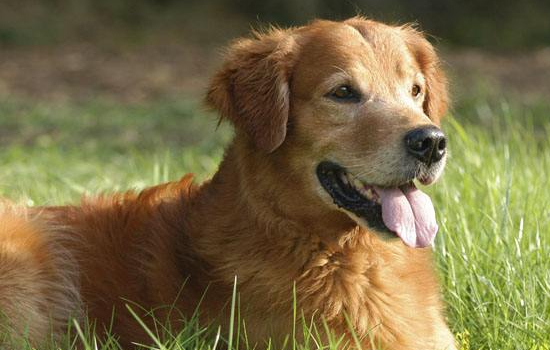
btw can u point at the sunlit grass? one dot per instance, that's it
(494, 208)
(493, 203)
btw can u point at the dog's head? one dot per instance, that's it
(354, 106)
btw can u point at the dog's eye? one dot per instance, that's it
(345, 93)
(416, 90)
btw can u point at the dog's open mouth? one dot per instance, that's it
(403, 210)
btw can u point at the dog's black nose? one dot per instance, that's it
(426, 144)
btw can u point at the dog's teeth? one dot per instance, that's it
(370, 193)
(350, 180)
(374, 196)
(344, 179)
(367, 191)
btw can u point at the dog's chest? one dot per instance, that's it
(378, 295)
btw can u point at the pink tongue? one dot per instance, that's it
(410, 214)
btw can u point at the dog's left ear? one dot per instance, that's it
(252, 87)
(436, 100)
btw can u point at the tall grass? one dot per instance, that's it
(494, 209)
(493, 204)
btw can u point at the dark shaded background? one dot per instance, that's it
(504, 24)
(135, 50)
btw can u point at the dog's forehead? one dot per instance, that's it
(363, 48)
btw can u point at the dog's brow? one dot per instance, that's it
(337, 78)
(342, 72)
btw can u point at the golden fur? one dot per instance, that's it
(263, 217)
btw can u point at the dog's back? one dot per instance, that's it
(39, 285)
(94, 261)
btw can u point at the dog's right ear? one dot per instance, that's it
(252, 87)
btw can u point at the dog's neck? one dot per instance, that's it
(267, 189)
(253, 199)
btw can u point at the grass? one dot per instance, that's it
(56, 153)
(493, 202)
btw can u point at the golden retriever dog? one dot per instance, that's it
(314, 203)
